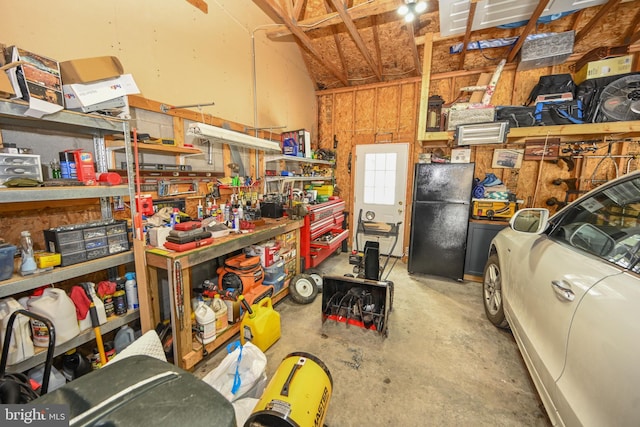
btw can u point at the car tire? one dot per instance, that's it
(492, 293)
(303, 289)
(317, 277)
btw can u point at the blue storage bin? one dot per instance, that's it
(274, 271)
(7, 252)
(277, 283)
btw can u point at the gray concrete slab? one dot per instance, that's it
(442, 363)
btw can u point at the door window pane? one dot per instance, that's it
(380, 178)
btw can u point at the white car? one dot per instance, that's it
(568, 287)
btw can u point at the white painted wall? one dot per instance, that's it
(177, 54)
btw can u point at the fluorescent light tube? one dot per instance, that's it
(231, 137)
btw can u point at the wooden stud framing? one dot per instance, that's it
(467, 34)
(414, 48)
(424, 91)
(199, 4)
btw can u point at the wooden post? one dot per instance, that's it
(424, 91)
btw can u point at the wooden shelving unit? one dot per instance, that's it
(560, 130)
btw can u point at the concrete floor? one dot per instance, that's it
(443, 363)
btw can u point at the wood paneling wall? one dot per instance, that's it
(388, 112)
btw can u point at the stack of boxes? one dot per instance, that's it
(288, 252)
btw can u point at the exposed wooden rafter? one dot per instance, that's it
(376, 42)
(584, 31)
(303, 39)
(200, 4)
(467, 34)
(336, 39)
(527, 29)
(364, 10)
(414, 48)
(632, 28)
(576, 19)
(298, 9)
(634, 38)
(355, 35)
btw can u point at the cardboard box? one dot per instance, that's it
(88, 70)
(6, 90)
(80, 95)
(604, 68)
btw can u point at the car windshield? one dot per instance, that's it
(606, 224)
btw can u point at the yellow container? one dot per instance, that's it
(260, 325)
(297, 395)
(47, 259)
(325, 190)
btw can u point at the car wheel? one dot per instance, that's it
(303, 289)
(492, 293)
(317, 277)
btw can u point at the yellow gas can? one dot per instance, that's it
(260, 324)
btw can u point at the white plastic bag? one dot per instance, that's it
(241, 373)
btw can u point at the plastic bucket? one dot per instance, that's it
(297, 395)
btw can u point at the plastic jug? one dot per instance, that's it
(206, 319)
(55, 305)
(260, 325)
(220, 310)
(124, 337)
(21, 346)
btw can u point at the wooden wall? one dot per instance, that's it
(389, 112)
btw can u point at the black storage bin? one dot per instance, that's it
(142, 391)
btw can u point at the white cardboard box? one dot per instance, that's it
(80, 95)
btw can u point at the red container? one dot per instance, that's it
(84, 167)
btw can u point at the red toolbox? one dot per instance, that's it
(322, 233)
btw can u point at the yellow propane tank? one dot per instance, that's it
(260, 325)
(297, 396)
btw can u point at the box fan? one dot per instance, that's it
(620, 99)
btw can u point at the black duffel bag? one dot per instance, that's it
(516, 116)
(559, 113)
(553, 84)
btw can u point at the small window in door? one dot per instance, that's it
(380, 178)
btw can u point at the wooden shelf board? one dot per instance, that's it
(559, 130)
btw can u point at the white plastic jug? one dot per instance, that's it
(206, 319)
(220, 309)
(55, 305)
(124, 337)
(21, 346)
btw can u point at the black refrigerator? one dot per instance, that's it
(440, 218)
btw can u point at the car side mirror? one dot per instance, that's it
(530, 220)
(592, 239)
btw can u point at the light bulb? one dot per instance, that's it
(403, 10)
(421, 7)
(409, 17)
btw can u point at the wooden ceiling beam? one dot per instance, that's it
(632, 27)
(634, 38)
(298, 9)
(336, 39)
(584, 31)
(355, 35)
(302, 39)
(200, 4)
(576, 19)
(467, 34)
(376, 42)
(414, 48)
(527, 29)
(364, 10)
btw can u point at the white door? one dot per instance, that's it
(380, 191)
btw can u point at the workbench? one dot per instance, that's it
(177, 266)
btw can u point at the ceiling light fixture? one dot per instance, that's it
(411, 9)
